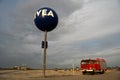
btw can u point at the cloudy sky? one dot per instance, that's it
(86, 29)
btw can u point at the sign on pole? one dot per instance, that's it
(46, 20)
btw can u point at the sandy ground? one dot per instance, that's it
(56, 75)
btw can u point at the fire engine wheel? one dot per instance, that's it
(102, 71)
(92, 72)
(83, 72)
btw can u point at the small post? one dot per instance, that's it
(44, 61)
(73, 69)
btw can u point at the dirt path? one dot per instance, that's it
(56, 75)
(113, 75)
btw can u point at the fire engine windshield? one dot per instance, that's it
(87, 61)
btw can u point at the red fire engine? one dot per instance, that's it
(93, 65)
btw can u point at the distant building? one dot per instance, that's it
(22, 67)
(16, 67)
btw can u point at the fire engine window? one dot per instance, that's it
(85, 62)
(92, 61)
(96, 62)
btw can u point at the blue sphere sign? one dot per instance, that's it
(46, 19)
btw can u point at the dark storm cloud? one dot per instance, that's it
(20, 39)
(86, 28)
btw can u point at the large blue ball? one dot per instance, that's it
(46, 19)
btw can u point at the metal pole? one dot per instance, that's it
(44, 61)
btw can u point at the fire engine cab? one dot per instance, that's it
(93, 65)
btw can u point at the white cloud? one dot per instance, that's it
(92, 21)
